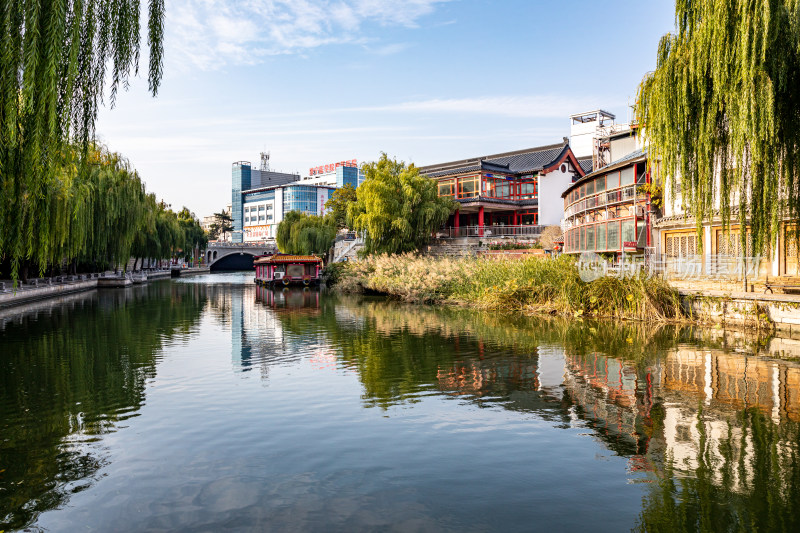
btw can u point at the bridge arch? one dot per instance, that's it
(233, 261)
(234, 257)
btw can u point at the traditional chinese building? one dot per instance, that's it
(509, 193)
(606, 211)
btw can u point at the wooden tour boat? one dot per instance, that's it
(285, 269)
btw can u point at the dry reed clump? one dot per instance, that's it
(410, 277)
(532, 284)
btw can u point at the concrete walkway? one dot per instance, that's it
(741, 295)
(45, 288)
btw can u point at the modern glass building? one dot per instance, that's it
(338, 176)
(301, 198)
(349, 176)
(246, 182)
(261, 198)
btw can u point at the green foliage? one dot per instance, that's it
(339, 203)
(302, 234)
(223, 224)
(398, 208)
(53, 61)
(193, 235)
(656, 192)
(532, 284)
(100, 215)
(723, 101)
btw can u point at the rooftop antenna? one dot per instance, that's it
(264, 161)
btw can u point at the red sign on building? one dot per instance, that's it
(331, 167)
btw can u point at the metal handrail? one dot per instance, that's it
(493, 231)
(240, 244)
(601, 199)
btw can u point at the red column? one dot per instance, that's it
(456, 221)
(480, 221)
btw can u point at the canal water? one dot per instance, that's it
(210, 404)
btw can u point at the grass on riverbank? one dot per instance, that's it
(533, 285)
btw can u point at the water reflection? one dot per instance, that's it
(716, 428)
(357, 413)
(71, 372)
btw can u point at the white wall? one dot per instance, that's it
(324, 179)
(259, 230)
(323, 195)
(581, 138)
(551, 186)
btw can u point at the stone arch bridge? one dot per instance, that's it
(235, 255)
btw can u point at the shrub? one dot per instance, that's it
(532, 284)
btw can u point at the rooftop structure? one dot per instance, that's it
(509, 189)
(246, 178)
(583, 130)
(605, 211)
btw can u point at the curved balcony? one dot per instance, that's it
(601, 199)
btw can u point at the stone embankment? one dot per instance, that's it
(45, 288)
(743, 308)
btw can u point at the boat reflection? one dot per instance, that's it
(288, 298)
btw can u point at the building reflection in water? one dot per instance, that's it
(261, 329)
(702, 423)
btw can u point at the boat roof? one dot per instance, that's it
(287, 258)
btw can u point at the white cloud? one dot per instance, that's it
(210, 34)
(390, 49)
(537, 106)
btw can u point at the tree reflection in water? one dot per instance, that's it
(713, 423)
(70, 374)
(707, 424)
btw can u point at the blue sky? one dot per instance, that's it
(427, 81)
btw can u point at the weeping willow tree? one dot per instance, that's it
(98, 215)
(722, 112)
(302, 234)
(116, 207)
(54, 58)
(398, 208)
(194, 237)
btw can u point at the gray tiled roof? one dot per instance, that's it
(636, 154)
(519, 162)
(530, 162)
(621, 162)
(452, 171)
(586, 164)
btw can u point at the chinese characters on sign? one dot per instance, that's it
(324, 169)
(592, 266)
(258, 232)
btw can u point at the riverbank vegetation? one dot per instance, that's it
(97, 216)
(53, 66)
(532, 285)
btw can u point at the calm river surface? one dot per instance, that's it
(208, 404)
